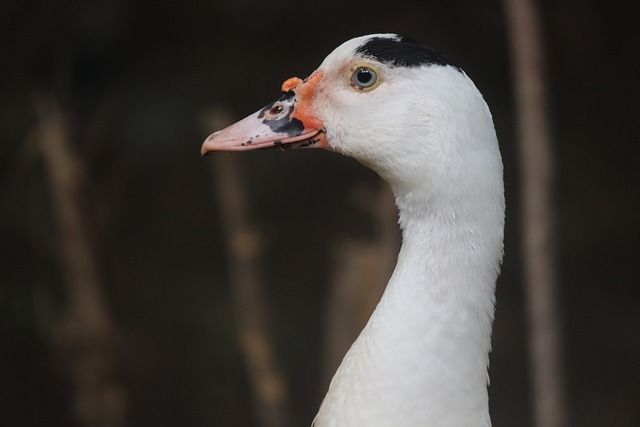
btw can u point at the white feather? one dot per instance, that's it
(422, 359)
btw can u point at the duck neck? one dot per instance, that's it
(422, 359)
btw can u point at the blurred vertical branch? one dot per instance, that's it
(536, 164)
(85, 337)
(362, 269)
(245, 245)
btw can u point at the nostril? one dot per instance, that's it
(276, 109)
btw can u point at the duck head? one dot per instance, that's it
(394, 105)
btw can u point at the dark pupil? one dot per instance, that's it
(364, 76)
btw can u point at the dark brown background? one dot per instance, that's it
(153, 67)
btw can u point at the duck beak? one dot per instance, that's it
(288, 122)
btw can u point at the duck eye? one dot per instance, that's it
(364, 78)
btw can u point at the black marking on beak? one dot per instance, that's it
(282, 109)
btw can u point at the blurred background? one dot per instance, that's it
(116, 266)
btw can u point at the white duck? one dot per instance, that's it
(408, 113)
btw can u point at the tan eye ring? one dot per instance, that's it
(364, 78)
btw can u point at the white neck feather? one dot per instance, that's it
(422, 358)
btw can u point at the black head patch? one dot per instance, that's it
(402, 52)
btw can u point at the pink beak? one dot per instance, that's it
(288, 122)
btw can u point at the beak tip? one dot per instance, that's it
(206, 149)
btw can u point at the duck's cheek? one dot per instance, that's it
(345, 137)
(333, 138)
